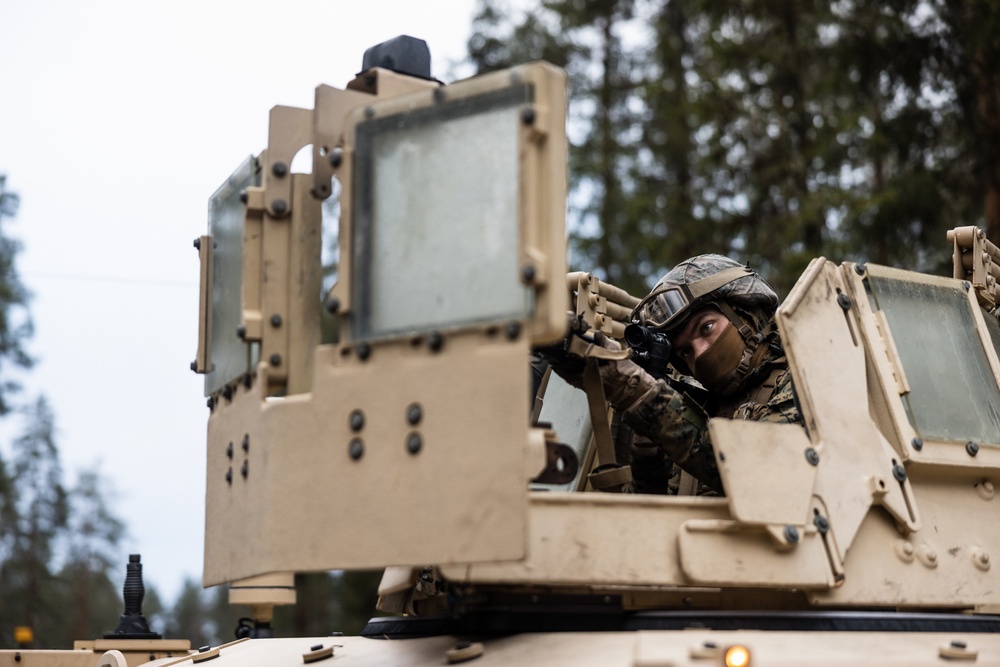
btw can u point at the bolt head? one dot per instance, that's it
(356, 449)
(279, 169)
(972, 448)
(279, 207)
(332, 305)
(336, 158)
(791, 534)
(414, 414)
(364, 351)
(194, 366)
(513, 330)
(528, 116)
(275, 359)
(276, 320)
(241, 332)
(357, 420)
(246, 442)
(414, 443)
(844, 301)
(860, 268)
(528, 273)
(918, 444)
(899, 472)
(244, 197)
(812, 456)
(435, 341)
(197, 244)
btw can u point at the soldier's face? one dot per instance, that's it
(698, 333)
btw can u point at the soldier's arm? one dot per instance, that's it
(680, 429)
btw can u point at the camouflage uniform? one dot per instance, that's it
(674, 421)
(679, 426)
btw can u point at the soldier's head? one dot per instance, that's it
(716, 313)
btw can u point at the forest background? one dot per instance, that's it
(773, 132)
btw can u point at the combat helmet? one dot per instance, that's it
(736, 290)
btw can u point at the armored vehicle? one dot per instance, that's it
(394, 420)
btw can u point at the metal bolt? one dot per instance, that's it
(197, 244)
(229, 450)
(336, 157)
(245, 469)
(899, 472)
(791, 534)
(413, 443)
(821, 523)
(860, 268)
(972, 448)
(528, 273)
(812, 456)
(967, 285)
(227, 392)
(364, 351)
(279, 207)
(241, 331)
(435, 341)
(229, 476)
(332, 305)
(279, 169)
(918, 444)
(194, 366)
(244, 197)
(369, 113)
(357, 420)
(315, 647)
(275, 359)
(356, 449)
(513, 330)
(245, 445)
(276, 320)
(844, 301)
(528, 116)
(414, 414)
(210, 402)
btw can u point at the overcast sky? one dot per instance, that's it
(118, 119)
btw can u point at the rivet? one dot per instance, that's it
(821, 523)
(227, 393)
(918, 444)
(812, 456)
(247, 380)
(245, 469)
(229, 450)
(194, 366)
(414, 414)
(860, 268)
(899, 472)
(364, 351)
(279, 169)
(229, 476)
(413, 443)
(357, 420)
(241, 331)
(276, 320)
(246, 443)
(210, 402)
(197, 243)
(528, 116)
(513, 330)
(356, 449)
(791, 534)
(435, 341)
(244, 197)
(528, 273)
(332, 305)
(972, 448)
(336, 157)
(275, 359)
(844, 301)
(279, 207)
(967, 285)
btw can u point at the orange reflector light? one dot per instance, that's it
(737, 656)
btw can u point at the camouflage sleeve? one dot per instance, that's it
(680, 429)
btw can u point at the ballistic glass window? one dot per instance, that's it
(230, 356)
(953, 393)
(436, 224)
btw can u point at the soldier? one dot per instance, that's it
(719, 317)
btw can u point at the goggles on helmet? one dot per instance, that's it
(669, 305)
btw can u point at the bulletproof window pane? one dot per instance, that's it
(445, 179)
(230, 357)
(953, 393)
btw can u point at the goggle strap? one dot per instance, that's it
(709, 284)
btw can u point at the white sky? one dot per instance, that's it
(118, 119)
